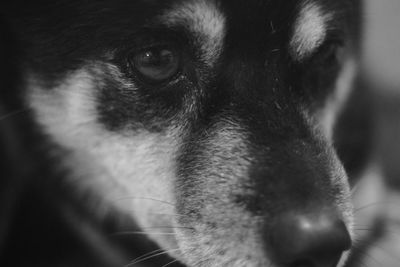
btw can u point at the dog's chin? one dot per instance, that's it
(206, 246)
(214, 255)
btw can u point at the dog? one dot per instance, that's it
(209, 127)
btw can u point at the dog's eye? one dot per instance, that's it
(319, 73)
(157, 64)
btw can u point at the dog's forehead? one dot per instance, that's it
(203, 19)
(306, 21)
(99, 27)
(206, 15)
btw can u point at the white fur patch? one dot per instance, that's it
(309, 30)
(129, 171)
(202, 19)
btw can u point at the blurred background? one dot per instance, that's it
(378, 199)
(381, 74)
(382, 44)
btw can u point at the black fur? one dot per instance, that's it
(256, 83)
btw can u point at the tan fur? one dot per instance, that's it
(204, 21)
(309, 30)
(129, 171)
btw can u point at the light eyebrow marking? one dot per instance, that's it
(310, 30)
(203, 19)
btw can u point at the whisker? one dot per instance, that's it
(355, 260)
(13, 113)
(372, 205)
(202, 262)
(140, 233)
(365, 254)
(148, 254)
(168, 227)
(171, 262)
(360, 250)
(354, 190)
(122, 233)
(375, 245)
(144, 198)
(150, 257)
(394, 257)
(167, 214)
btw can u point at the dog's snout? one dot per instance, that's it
(309, 240)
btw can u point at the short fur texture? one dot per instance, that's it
(203, 163)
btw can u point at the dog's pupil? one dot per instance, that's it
(157, 64)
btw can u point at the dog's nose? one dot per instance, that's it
(309, 240)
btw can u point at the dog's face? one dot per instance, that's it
(212, 119)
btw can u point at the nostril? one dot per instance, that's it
(309, 240)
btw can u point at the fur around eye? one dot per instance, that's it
(330, 53)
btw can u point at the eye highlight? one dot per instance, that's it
(156, 64)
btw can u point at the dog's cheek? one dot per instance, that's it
(125, 171)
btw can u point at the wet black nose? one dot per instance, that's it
(309, 240)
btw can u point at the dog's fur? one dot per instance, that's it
(204, 162)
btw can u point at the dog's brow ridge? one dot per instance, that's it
(310, 29)
(204, 21)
